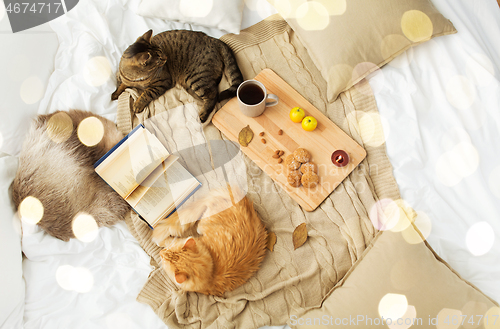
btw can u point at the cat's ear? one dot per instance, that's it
(190, 244)
(180, 277)
(146, 36)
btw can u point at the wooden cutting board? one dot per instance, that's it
(321, 142)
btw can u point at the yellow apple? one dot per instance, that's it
(297, 114)
(309, 123)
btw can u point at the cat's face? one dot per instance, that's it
(141, 59)
(188, 264)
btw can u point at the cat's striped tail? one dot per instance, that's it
(232, 70)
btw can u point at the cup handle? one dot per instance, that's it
(273, 102)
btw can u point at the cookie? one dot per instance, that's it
(301, 155)
(309, 179)
(291, 163)
(294, 178)
(308, 166)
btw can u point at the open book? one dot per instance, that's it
(141, 170)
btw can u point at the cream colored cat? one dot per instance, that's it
(57, 169)
(229, 249)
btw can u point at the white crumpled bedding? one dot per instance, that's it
(440, 104)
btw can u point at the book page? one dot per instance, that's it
(167, 192)
(134, 160)
(134, 197)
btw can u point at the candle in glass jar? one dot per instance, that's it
(340, 158)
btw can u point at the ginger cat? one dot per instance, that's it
(229, 249)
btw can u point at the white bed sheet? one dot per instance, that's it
(82, 285)
(441, 114)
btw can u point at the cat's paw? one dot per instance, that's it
(204, 116)
(138, 107)
(162, 240)
(164, 233)
(156, 240)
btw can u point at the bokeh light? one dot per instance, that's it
(361, 69)
(85, 227)
(424, 226)
(473, 310)
(384, 214)
(31, 90)
(416, 26)
(312, 16)
(263, 9)
(63, 275)
(371, 129)
(260, 6)
(59, 127)
(90, 131)
(196, 8)
(77, 279)
(407, 320)
(287, 8)
(449, 318)
(97, 71)
(82, 280)
(491, 319)
(334, 7)
(31, 210)
(494, 182)
(467, 159)
(480, 238)
(252, 4)
(405, 211)
(460, 162)
(460, 92)
(393, 306)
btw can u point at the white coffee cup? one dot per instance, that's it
(252, 98)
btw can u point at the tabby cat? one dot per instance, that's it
(57, 169)
(191, 59)
(228, 250)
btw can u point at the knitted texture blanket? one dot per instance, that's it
(339, 230)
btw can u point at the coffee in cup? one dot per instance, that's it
(252, 98)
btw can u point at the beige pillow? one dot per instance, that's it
(405, 282)
(349, 39)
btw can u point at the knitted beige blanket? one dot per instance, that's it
(290, 282)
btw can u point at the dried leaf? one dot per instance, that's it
(299, 236)
(271, 241)
(245, 136)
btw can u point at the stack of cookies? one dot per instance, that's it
(301, 171)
